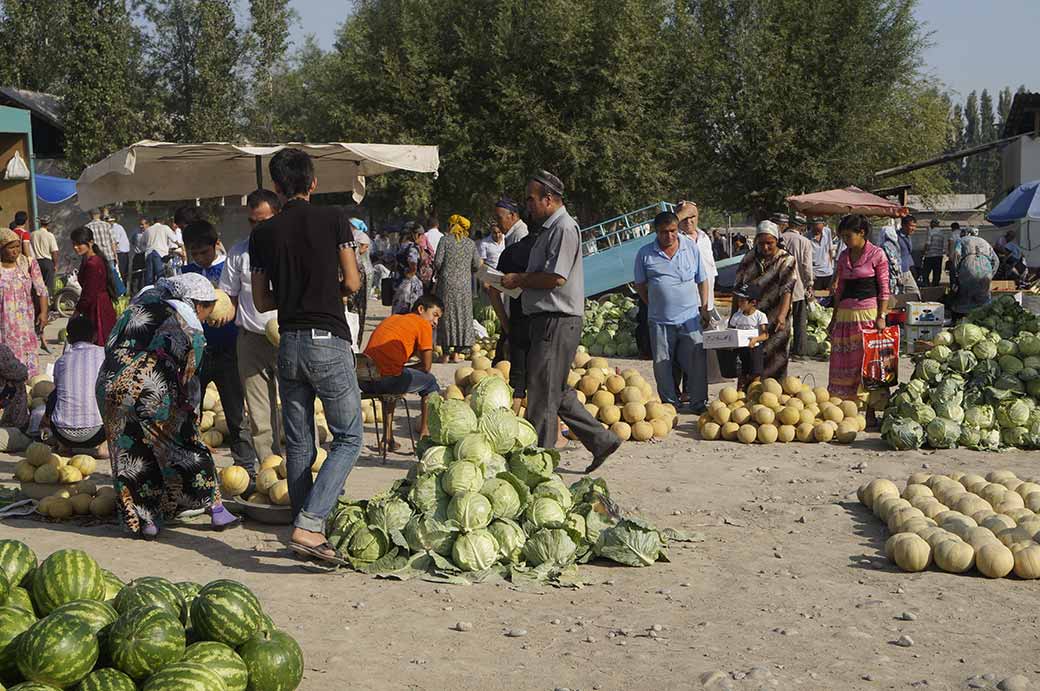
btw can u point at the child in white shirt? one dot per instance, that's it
(747, 316)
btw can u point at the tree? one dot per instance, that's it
(268, 43)
(35, 37)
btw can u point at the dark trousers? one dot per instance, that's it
(153, 268)
(821, 283)
(47, 271)
(123, 260)
(220, 366)
(800, 322)
(931, 274)
(554, 341)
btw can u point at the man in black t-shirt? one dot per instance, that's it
(515, 340)
(303, 264)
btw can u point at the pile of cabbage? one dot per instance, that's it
(483, 501)
(817, 340)
(1005, 316)
(610, 326)
(974, 389)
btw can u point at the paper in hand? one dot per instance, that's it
(493, 277)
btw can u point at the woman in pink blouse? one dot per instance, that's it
(861, 302)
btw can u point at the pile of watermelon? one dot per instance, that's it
(69, 624)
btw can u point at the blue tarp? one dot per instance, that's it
(55, 190)
(1023, 204)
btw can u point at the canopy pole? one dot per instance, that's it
(259, 172)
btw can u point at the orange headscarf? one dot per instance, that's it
(458, 226)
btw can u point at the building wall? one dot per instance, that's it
(1020, 161)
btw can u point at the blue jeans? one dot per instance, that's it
(410, 380)
(317, 364)
(153, 268)
(682, 345)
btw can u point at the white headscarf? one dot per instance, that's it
(183, 291)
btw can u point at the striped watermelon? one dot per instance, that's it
(227, 612)
(184, 676)
(5, 587)
(150, 591)
(140, 642)
(13, 621)
(96, 614)
(19, 597)
(112, 584)
(222, 660)
(65, 576)
(275, 661)
(189, 591)
(107, 679)
(59, 650)
(16, 560)
(33, 686)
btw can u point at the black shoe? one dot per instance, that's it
(699, 409)
(602, 458)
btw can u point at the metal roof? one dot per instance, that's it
(47, 106)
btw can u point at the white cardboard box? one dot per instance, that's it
(925, 313)
(728, 338)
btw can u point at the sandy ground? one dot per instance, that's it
(789, 588)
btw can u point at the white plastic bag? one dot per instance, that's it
(16, 168)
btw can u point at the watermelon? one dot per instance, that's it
(16, 560)
(150, 591)
(59, 650)
(5, 588)
(33, 686)
(19, 597)
(184, 676)
(140, 642)
(227, 612)
(96, 614)
(189, 591)
(112, 584)
(107, 679)
(222, 660)
(66, 576)
(13, 621)
(275, 661)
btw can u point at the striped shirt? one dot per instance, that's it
(75, 377)
(104, 239)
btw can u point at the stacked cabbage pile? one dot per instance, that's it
(817, 340)
(484, 502)
(610, 327)
(973, 389)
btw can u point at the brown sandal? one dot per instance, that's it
(320, 552)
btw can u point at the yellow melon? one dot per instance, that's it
(81, 504)
(60, 508)
(233, 481)
(767, 433)
(642, 431)
(624, 431)
(615, 384)
(804, 432)
(729, 395)
(279, 493)
(661, 428)
(24, 471)
(711, 431)
(602, 399)
(636, 412)
(730, 429)
(103, 505)
(765, 416)
(85, 464)
(609, 414)
(46, 475)
(747, 434)
(786, 433)
(266, 479)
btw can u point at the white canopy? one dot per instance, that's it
(164, 171)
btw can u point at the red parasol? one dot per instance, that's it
(851, 200)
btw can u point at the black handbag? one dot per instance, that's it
(386, 291)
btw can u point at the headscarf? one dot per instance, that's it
(768, 228)
(507, 204)
(182, 292)
(8, 236)
(458, 226)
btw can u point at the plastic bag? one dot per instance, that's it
(16, 168)
(880, 358)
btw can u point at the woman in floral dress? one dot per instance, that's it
(19, 277)
(456, 262)
(148, 393)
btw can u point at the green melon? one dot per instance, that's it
(96, 614)
(222, 660)
(274, 660)
(142, 641)
(19, 597)
(107, 679)
(189, 591)
(59, 650)
(184, 676)
(150, 591)
(66, 576)
(5, 588)
(112, 584)
(16, 560)
(33, 686)
(13, 621)
(227, 612)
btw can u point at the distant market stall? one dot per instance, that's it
(849, 200)
(165, 171)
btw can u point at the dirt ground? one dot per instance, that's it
(788, 589)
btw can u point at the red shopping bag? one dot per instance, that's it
(880, 358)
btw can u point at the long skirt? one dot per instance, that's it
(158, 468)
(775, 352)
(846, 366)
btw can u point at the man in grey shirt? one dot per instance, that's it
(554, 300)
(801, 248)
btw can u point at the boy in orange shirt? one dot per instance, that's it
(393, 343)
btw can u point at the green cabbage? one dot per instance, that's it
(971, 437)
(495, 464)
(980, 416)
(967, 334)
(510, 538)
(939, 353)
(462, 476)
(631, 542)
(928, 370)
(533, 465)
(434, 458)
(903, 434)
(985, 350)
(944, 337)
(367, 544)
(475, 551)
(943, 433)
(470, 510)
(950, 411)
(501, 428)
(473, 447)
(949, 390)
(1005, 347)
(449, 420)
(544, 511)
(389, 514)
(916, 387)
(1014, 436)
(550, 546)
(1028, 344)
(921, 413)
(490, 393)
(962, 361)
(1009, 364)
(505, 502)
(427, 495)
(426, 534)
(554, 489)
(1032, 361)
(346, 522)
(1012, 413)
(525, 434)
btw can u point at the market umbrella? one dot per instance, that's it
(850, 200)
(1021, 206)
(164, 171)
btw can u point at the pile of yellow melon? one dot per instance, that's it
(271, 485)
(42, 466)
(960, 522)
(479, 368)
(624, 402)
(80, 499)
(772, 411)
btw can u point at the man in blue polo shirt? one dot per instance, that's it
(671, 278)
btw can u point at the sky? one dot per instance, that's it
(976, 44)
